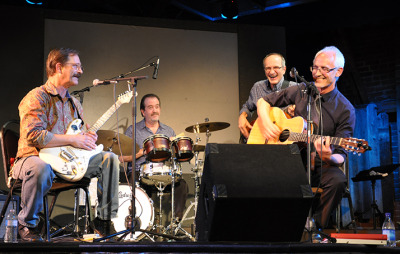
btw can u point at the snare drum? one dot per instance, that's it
(153, 173)
(143, 206)
(183, 149)
(157, 148)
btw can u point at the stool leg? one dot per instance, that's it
(46, 216)
(76, 212)
(338, 217)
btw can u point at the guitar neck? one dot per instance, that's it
(99, 123)
(302, 137)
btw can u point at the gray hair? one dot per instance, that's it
(339, 58)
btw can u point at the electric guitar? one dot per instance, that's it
(295, 130)
(71, 163)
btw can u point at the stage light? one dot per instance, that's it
(34, 2)
(230, 9)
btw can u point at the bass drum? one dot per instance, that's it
(144, 211)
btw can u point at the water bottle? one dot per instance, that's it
(11, 227)
(311, 227)
(389, 230)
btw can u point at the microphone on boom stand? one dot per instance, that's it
(311, 88)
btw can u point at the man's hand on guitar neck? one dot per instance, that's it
(244, 125)
(269, 130)
(324, 149)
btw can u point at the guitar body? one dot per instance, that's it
(279, 118)
(70, 163)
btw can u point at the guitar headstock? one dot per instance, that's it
(355, 145)
(125, 97)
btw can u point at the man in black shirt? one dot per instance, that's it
(338, 120)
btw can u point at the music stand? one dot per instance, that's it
(373, 174)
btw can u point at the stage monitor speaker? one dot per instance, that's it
(14, 203)
(253, 193)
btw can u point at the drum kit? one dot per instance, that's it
(162, 167)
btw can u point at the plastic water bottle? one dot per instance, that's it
(389, 230)
(311, 227)
(11, 227)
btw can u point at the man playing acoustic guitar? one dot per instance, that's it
(274, 65)
(338, 120)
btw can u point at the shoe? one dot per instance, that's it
(104, 227)
(29, 234)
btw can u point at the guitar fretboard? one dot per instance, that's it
(95, 127)
(302, 137)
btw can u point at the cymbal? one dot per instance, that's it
(109, 139)
(199, 148)
(210, 126)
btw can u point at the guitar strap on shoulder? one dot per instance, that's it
(76, 109)
(285, 84)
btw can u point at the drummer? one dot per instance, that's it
(150, 108)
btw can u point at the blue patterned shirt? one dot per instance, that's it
(259, 90)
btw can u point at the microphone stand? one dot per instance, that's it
(132, 81)
(117, 78)
(310, 90)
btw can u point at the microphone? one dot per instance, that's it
(311, 88)
(98, 82)
(293, 72)
(155, 73)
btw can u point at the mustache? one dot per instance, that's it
(155, 114)
(77, 75)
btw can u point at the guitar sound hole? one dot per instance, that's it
(284, 135)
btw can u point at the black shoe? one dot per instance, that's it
(29, 234)
(103, 227)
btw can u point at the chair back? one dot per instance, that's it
(9, 136)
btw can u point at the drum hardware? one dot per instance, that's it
(207, 127)
(115, 142)
(172, 225)
(160, 187)
(197, 176)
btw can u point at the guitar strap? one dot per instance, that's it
(285, 84)
(75, 110)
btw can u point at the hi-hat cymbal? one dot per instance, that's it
(199, 148)
(210, 126)
(109, 139)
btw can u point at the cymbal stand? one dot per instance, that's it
(196, 170)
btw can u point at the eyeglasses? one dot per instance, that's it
(75, 66)
(321, 69)
(275, 68)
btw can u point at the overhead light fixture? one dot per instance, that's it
(230, 9)
(34, 2)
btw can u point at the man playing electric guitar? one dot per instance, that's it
(338, 120)
(45, 113)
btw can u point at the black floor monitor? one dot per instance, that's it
(253, 193)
